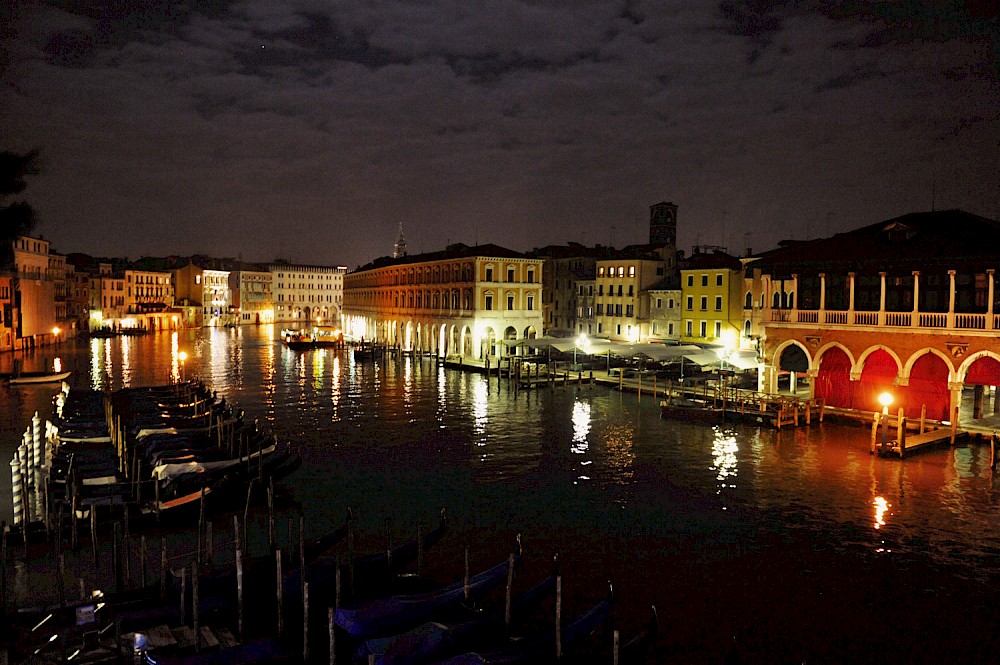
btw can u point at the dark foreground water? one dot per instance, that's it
(769, 547)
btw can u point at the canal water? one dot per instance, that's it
(755, 546)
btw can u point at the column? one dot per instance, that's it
(850, 302)
(795, 295)
(951, 299)
(915, 320)
(881, 300)
(955, 391)
(989, 300)
(822, 297)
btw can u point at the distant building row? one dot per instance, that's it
(48, 295)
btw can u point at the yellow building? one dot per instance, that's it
(621, 304)
(712, 298)
(464, 301)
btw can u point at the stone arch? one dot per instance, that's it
(880, 368)
(467, 349)
(928, 376)
(859, 365)
(833, 375)
(982, 361)
(908, 367)
(489, 342)
(779, 352)
(530, 332)
(793, 357)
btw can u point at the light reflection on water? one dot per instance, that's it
(575, 464)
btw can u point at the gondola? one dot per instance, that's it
(436, 640)
(386, 616)
(541, 647)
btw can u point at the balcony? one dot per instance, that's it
(986, 322)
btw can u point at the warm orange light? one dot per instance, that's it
(182, 356)
(885, 399)
(56, 330)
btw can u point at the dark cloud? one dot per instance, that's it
(313, 129)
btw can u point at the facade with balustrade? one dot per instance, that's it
(465, 301)
(908, 306)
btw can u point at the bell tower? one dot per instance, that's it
(399, 249)
(663, 224)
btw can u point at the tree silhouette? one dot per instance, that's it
(16, 218)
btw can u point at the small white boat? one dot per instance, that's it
(38, 377)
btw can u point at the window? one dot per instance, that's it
(619, 289)
(690, 280)
(704, 280)
(704, 303)
(531, 275)
(510, 274)
(748, 302)
(670, 328)
(510, 301)
(631, 289)
(670, 303)
(629, 310)
(600, 271)
(600, 289)
(690, 302)
(618, 329)
(489, 274)
(718, 329)
(659, 303)
(531, 302)
(600, 309)
(718, 303)
(704, 327)
(489, 302)
(621, 271)
(718, 279)
(631, 271)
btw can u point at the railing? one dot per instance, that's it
(901, 319)
(956, 321)
(970, 321)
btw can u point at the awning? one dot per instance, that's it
(743, 360)
(658, 352)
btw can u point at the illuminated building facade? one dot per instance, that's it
(621, 307)
(251, 294)
(307, 296)
(463, 301)
(33, 292)
(907, 306)
(711, 294)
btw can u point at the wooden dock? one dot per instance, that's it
(906, 443)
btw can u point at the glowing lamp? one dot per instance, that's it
(885, 399)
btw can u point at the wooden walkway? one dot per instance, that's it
(905, 443)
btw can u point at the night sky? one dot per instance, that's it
(310, 129)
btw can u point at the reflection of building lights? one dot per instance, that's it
(724, 449)
(581, 427)
(479, 409)
(881, 508)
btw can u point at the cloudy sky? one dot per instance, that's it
(311, 129)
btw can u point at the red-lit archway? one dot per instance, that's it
(878, 376)
(833, 382)
(985, 371)
(928, 387)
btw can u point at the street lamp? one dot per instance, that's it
(885, 399)
(581, 343)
